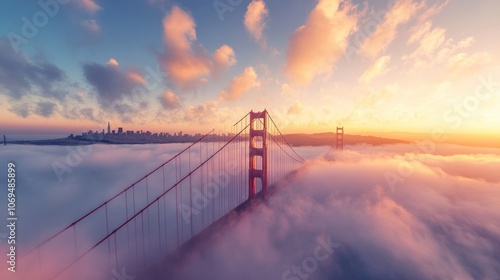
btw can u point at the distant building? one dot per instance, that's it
(120, 130)
(109, 128)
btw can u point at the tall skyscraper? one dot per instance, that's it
(109, 129)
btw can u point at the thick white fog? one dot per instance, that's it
(367, 212)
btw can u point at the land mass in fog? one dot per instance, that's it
(298, 139)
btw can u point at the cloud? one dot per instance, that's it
(296, 108)
(223, 57)
(434, 48)
(170, 101)
(446, 221)
(45, 108)
(91, 27)
(314, 47)
(240, 85)
(379, 68)
(21, 76)
(112, 62)
(445, 213)
(89, 6)
(467, 65)
(187, 64)
(429, 40)
(255, 18)
(201, 113)
(20, 109)
(110, 82)
(433, 10)
(401, 12)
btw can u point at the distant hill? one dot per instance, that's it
(328, 139)
(299, 139)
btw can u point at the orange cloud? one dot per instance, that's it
(240, 85)
(112, 62)
(401, 12)
(314, 47)
(186, 65)
(254, 20)
(378, 69)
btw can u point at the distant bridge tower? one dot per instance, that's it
(258, 135)
(340, 138)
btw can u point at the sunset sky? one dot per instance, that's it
(404, 65)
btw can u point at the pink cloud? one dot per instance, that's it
(315, 47)
(223, 57)
(255, 18)
(90, 6)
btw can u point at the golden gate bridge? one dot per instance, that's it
(160, 214)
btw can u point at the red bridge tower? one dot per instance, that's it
(258, 153)
(340, 138)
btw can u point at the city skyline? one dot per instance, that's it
(313, 65)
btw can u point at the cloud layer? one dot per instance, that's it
(439, 223)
